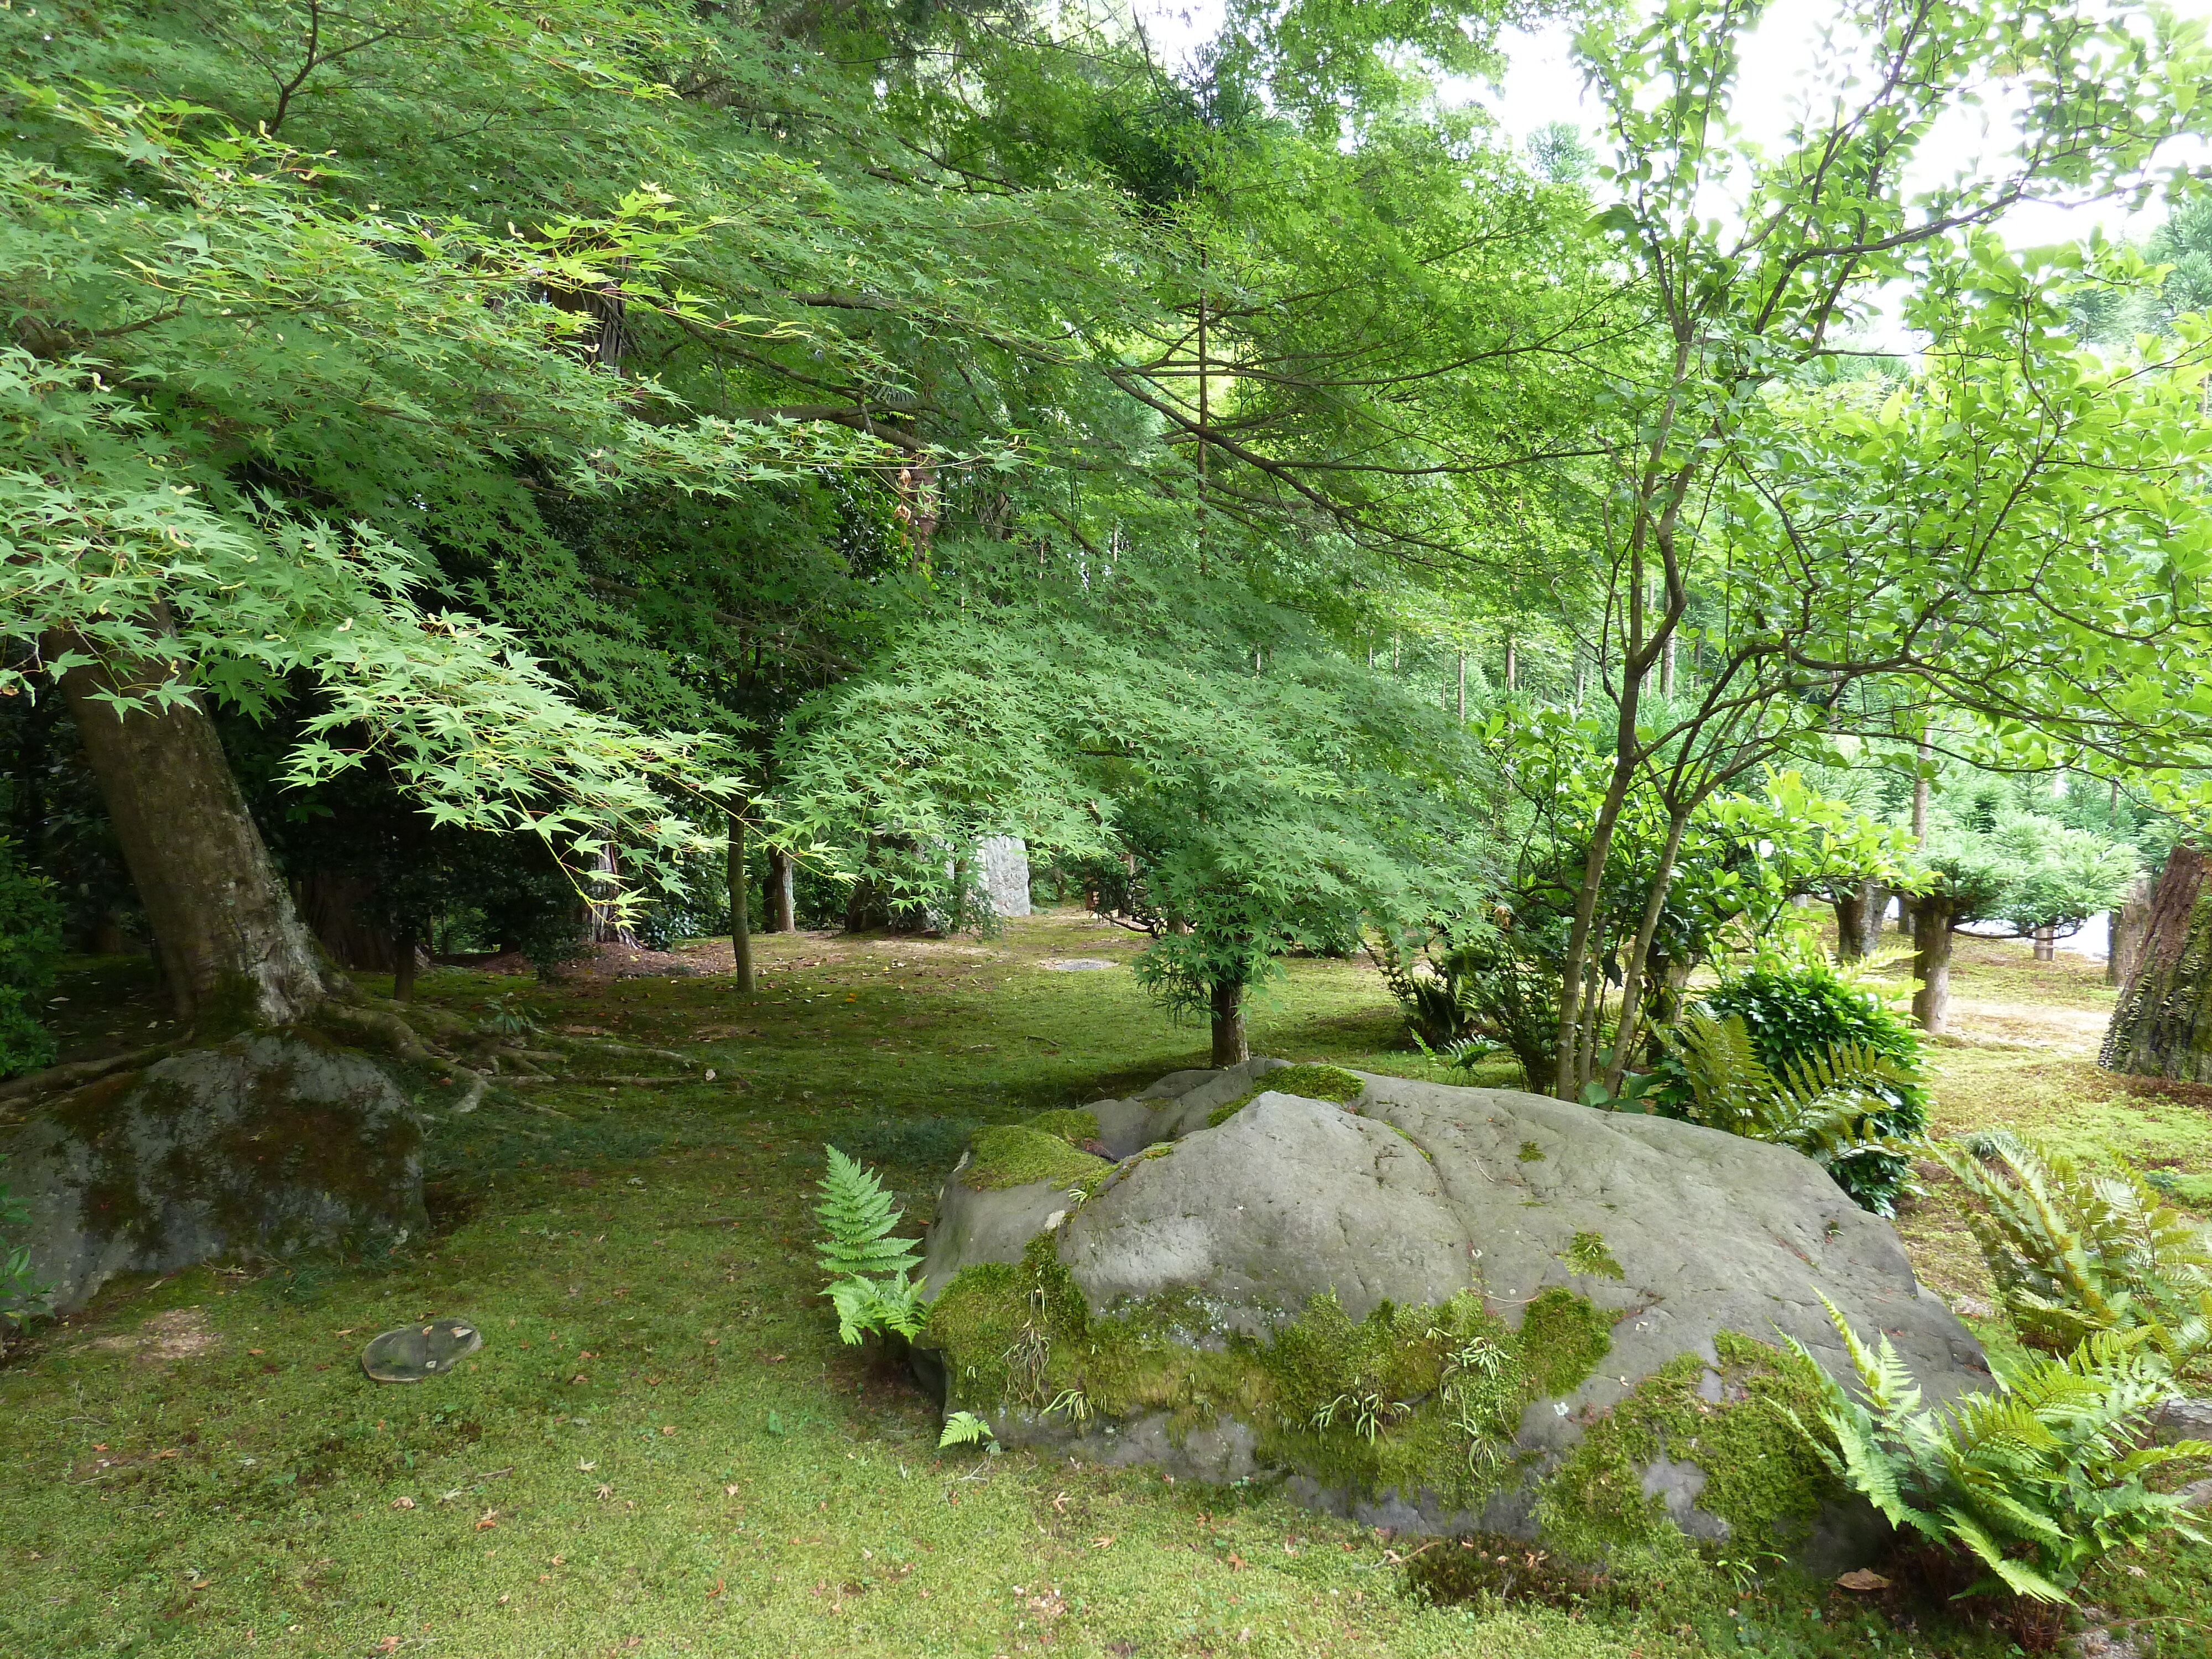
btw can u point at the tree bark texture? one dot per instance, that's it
(341, 910)
(1932, 916)
(782, 903)
(2162, 1023)
(1851, 924)
(741, 905)
(2124, 945)
(224, 927)
(1230, 1047)
(608, 926)
(1858, 921)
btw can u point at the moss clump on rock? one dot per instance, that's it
(1409, 1398)
(1329, 1083)
(1761, 1476)
(1563, 1336)
(1588, 1252)
(1016, 1154)
(1072, 1125)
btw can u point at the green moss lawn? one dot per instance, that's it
(662, 1447)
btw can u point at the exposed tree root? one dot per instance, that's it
(415, 1032)
(78, 1072)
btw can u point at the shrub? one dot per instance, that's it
(30, 948)
(1793, 1015)
(1827, 1105)
(1502, 985)
(2073, 1254)
(2036, 1481)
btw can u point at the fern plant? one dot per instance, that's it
(2036, 1481)
(2074, 1253)
(966, 1429)
(1825, 1105)
(867, 1268)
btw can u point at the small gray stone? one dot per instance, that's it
(2183, 1419)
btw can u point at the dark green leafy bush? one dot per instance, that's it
(1795, 1015)
(30, 946)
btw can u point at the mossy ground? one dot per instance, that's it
(179, 1493)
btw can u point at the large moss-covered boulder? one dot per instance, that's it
(268, 1145)
(1433, 1307)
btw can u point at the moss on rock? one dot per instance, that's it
(1410, 1398)
(1014, 1155)
(1072, 1125)
(1329, 1083)
(1563, 1336)
(1761, 1476)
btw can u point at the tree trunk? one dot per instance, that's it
(1908, 920)
(783, 905)
(608, 926)
(402, 969)
(231, 944)
(741, 908)
(2046, 945)
(2123, 944)
(2162, 1023)
(1229, 1044)
(1631, 977)
(1858, 921)
(1932, 915)
(1851, 924)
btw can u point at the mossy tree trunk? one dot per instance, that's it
(2162, 1023)
(231, 943)
(1934, 915)
(1230, 1047)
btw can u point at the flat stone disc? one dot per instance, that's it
(414, 1352)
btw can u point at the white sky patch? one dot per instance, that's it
(1544, 85)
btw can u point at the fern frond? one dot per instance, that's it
(966, 1429)
(858, 1217)
(2021, 1579)
(867, 1305)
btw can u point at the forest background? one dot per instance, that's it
(541, 452)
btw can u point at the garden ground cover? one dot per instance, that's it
(662, 1449)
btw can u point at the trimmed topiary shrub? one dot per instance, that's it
(1793, 1014)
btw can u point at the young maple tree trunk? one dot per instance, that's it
(225, 929)
(2162, 1023)
(1229, 1045)
(741, 905)
(1932, 916)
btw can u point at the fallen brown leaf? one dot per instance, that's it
(1863, 1578)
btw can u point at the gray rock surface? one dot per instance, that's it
(1006, 872)
(1418, 1191)
(269, 1145)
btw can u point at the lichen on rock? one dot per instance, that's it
(268, 1145)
